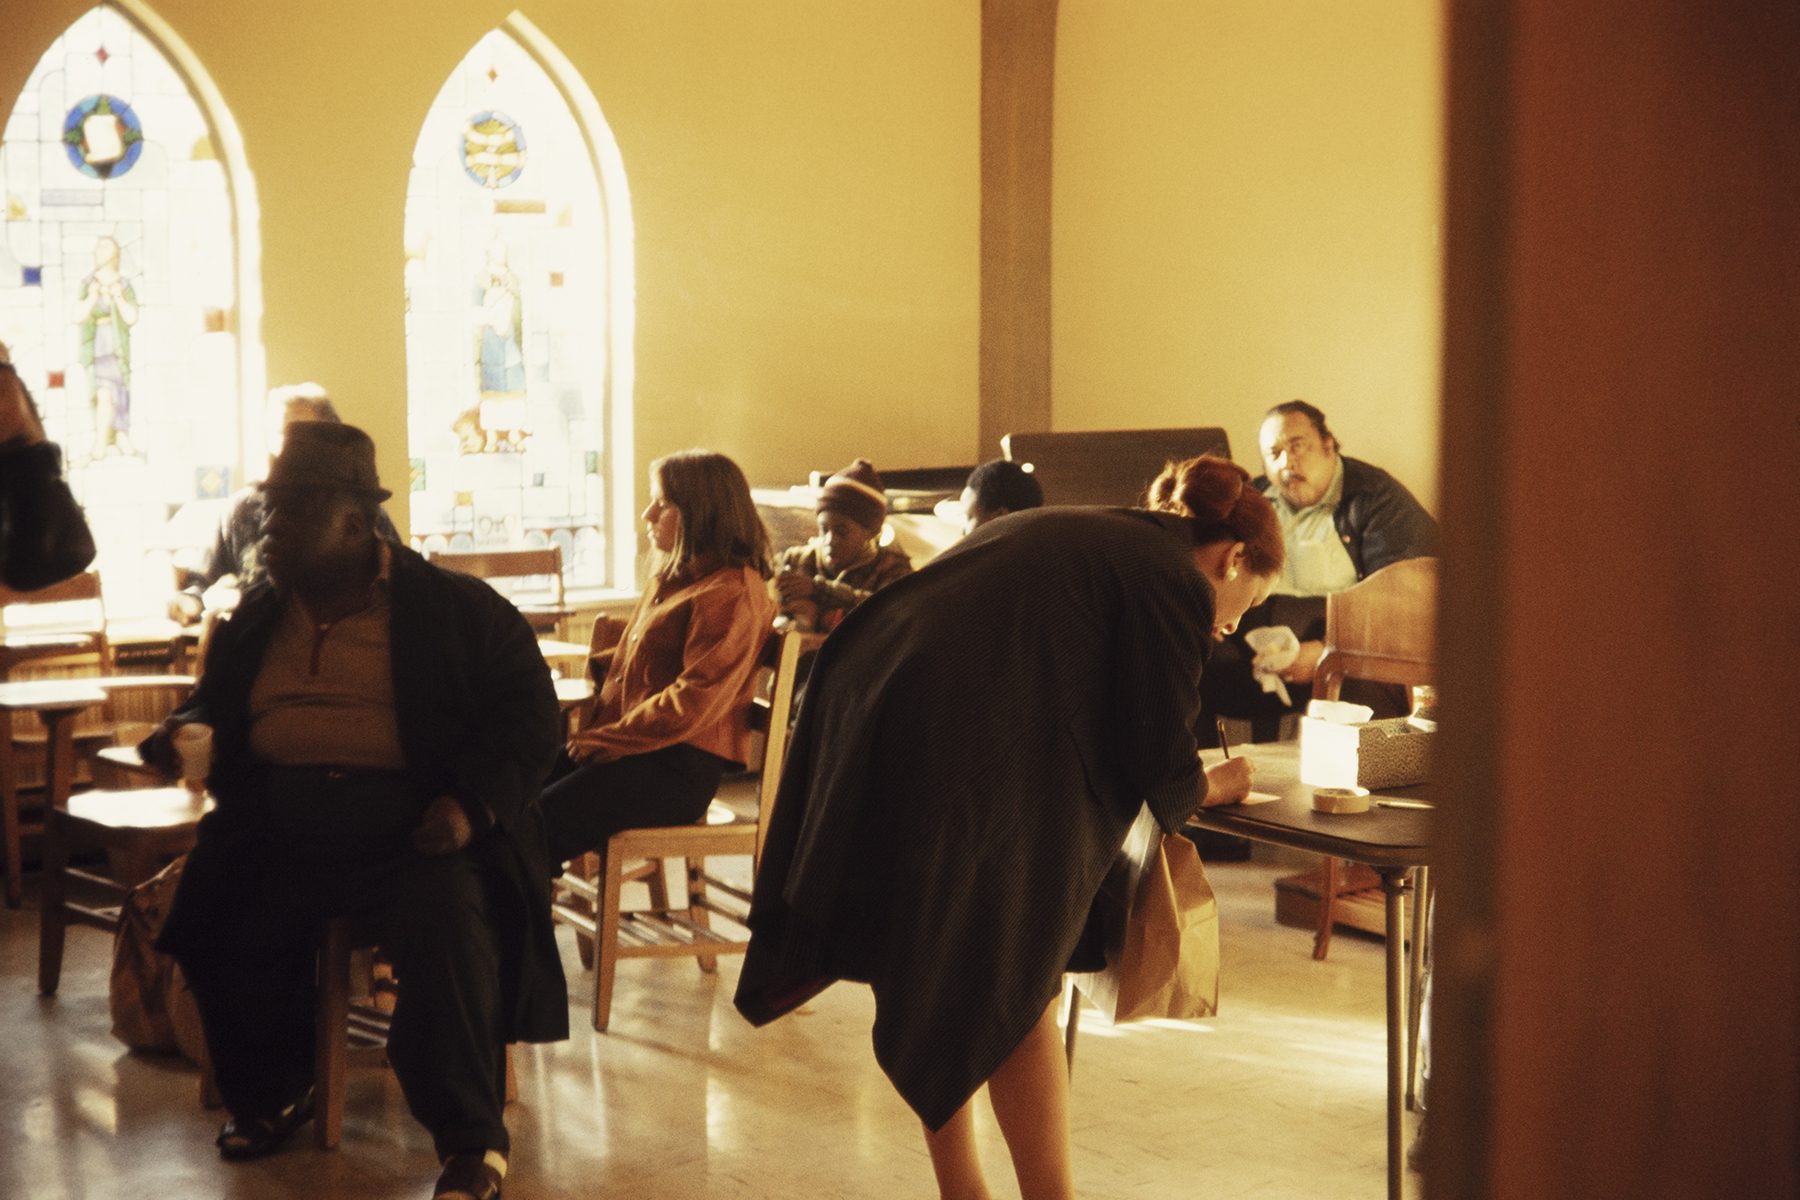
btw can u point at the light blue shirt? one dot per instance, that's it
(1318, 562)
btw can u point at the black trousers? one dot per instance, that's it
(327, 844)
(584, 804)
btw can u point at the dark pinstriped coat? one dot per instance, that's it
(975, 741)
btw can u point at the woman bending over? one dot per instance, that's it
(976, 741)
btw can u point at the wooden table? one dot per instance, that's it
(573, 693)
(1394, 842)
(57, 702)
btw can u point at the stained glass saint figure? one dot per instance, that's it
(107, 308)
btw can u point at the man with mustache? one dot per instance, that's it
(1342, 520)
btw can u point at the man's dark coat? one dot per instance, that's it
(975, 742)
(478, 720)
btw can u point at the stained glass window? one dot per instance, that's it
(510, 399)
(119, 289)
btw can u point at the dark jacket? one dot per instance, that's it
(478, 720)
(1378, 519)
(975, 742)
(44, 537)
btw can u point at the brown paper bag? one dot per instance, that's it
(152, 1008)
(1162, 954)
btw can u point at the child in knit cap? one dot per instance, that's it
(822, 580)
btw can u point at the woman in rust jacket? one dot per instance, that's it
(671, 714)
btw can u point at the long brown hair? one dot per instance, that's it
(1216, 493)
(719, 524)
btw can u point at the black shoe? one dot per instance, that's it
(243, 1138)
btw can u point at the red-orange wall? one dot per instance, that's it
(1619, 967)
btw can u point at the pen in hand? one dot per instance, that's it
(1219, 724)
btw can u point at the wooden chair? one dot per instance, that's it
(1381, 631)
(23, 741)
(353, 1031)
(603, 638)
(53, 632)
(63, 624)
(535, 576)
(139, 831)
(592, 904)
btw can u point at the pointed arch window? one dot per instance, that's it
(127, 285)
(518, 315)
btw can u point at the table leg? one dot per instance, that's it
(59, 756)
(9, 812)
(1328, 889)
(52, 921)
(59, 772)
(1394, 887)
(1415, 981)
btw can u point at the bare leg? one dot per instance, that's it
(1030, 1093)
(954, 1159)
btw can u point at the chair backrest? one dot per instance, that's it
(532, 563)
(67, 618)
(606, 632)
(1108, 466)
(782, 653)
(1381, 629)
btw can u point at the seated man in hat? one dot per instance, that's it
(231, 559)
(381, 728)
(846, 564)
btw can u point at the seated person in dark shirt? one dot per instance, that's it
(995, 488)
(232, 556)
(819, 582)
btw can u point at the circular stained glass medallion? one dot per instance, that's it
(493, 148)
(103, 137)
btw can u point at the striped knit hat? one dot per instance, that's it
(855, 492)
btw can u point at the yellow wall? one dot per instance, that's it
(1246, 204)
(1246, 211)
(804, 180)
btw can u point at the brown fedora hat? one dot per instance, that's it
(323, 454)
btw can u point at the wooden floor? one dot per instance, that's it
(1279, 1096)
